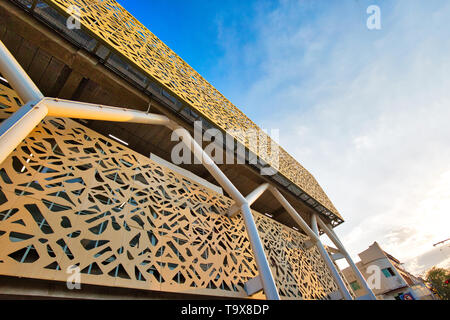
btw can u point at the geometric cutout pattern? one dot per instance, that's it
(109, 22)
(299, 272)
(72, 197)
(9, 102)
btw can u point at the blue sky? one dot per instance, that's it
(366, 111)
(192, 28)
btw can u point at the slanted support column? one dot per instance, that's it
(251, 198)
(326, 257)
(17, 77)
(18, 126)
(333, 237)
(22, 122)
(337, 256)
(270, 289)
(253, 286)
(314, 235)
(293, 213)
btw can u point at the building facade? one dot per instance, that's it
(387, 277)
(90, 101)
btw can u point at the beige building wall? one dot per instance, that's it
(385, 276)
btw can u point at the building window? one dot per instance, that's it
(355, 285)
(398, 296)
(388, 272)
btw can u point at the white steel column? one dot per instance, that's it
(333, 237)
(293, 213)
(326, 257)
(18, 126)
(251, 198)
(17, 77)
(314, 235)
(89, 111)
(268, 282)
(270, 289)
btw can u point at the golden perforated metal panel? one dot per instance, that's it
(110, 23)
(69, 196)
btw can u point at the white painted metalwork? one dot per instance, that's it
(17, 77)
(17, 127)
(313, 233)
(333, 237)
(325, 256)
(251, 198)
(294, 215)
(253, 285)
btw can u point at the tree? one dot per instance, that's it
(438, 278)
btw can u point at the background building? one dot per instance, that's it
(395, 282)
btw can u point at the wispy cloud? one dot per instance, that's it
(367, 112)
(439, 257)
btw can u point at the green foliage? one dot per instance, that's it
(437, 277)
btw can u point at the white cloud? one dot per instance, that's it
(362, 142)
(439, 256)
(367, 112)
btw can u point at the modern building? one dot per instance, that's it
(92, 203)
(387, 277)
